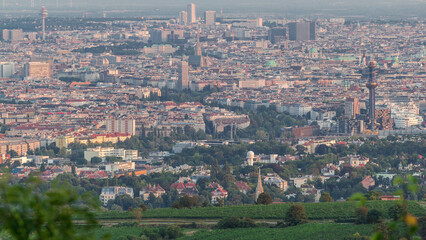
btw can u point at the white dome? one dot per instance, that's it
(250, 154)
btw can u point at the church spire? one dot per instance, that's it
(259, 187)
(198, 46)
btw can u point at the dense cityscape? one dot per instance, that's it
(193, 117)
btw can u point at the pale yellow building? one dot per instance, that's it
(64, 141)
(38, 70)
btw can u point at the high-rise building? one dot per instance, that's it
(372, 85)
(7, 69)
(277, 34)
(43, 14)
(13, 35)
(5, 34)
(384, 119)
(210, 17)
(352, 107)
(259, 22)
(37, 70)
(192, 18)
(301, 31)
(183, 78)
(16, 35)
(183, 17)
(165, 35)
(159, 35)
(126, 125)
(351, 126)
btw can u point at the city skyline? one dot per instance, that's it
(289, 7)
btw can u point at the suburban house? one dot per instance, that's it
(185, 188)
(274, 179)
(368, 182)
(156, 190)
(110, 193)
(219, 194)
(243, 187)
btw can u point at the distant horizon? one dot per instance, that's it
(291, 8)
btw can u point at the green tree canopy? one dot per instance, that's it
(296, 215)
(264, 198)
(325, 197)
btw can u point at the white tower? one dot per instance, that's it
(250, 158)
(43, 14)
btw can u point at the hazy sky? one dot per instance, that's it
(295, 7)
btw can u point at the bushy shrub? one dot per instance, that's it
(125, 224)
(234, 222)
(186, 202)
(264, 198)
(229, 222)
(325, 197)
(247, 223)
(296, 215)
(171, 232)
(422, 227)
(356, 236)
(374, 216)
(396, 211)
(143, 207)
(361, 215)
(176, 205)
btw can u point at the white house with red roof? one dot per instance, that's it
(328, 170)
(214, 185)
(358, 161)
(185, 188)
(219, 194)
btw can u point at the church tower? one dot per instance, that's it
(259, 187)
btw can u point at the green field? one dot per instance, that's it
(316, 231)
(315, 211)
(115, 232)
(320, 227)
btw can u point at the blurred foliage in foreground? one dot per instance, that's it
(26, 212)
(404, 225)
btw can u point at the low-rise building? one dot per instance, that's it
(358, 161)
(119, 167)
(104, 152)
(368, 182)
(243, 187)
(110, 193)
(274, 179)
(155, 190)
(219, 194)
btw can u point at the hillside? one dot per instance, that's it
(315, 211)
(318, 231)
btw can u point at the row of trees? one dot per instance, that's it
(266, 123)
(233, 154)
